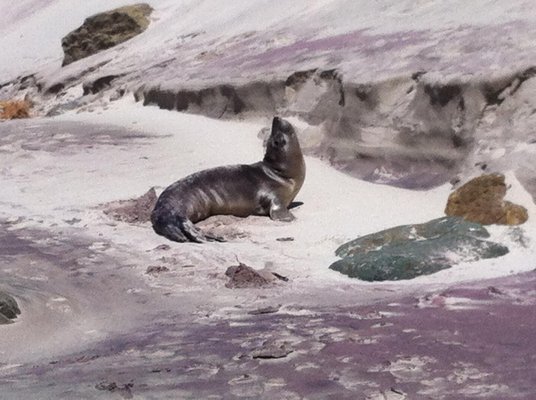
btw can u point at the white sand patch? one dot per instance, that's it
(336, 208)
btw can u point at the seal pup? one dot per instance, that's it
(264, 188)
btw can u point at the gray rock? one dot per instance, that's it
(408, 251)
(155, 270)
(272, 350)
(8, 308)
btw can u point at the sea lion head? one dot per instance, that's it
(283, 152)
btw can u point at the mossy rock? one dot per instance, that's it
(408, 233)
(102, 31)
(408, 251)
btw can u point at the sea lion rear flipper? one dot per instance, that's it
(169, 225)
(194, 234)
(172, 232)
(178, 228)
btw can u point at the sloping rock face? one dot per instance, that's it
(8, 308)
(105, 30)
(409, 102)
(408, 251)
(413, 131)
(481, 200)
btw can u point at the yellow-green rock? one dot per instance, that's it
(482, 200)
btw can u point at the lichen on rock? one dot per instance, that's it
(104, 30)
(481, 200)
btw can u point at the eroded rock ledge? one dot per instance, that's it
(414, 131)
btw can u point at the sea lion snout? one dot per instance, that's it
(279, 124)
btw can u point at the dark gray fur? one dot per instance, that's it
(264, 188)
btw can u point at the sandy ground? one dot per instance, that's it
(95, 325)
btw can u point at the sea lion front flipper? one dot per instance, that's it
(280, 213)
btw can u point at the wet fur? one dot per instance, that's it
(264, 188)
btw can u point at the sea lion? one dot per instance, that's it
(264, 188)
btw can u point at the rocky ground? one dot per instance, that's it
(404, 95)
(106, 330)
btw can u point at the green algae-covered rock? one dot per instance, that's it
(8, 308)
(408, 251)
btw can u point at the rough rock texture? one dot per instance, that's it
(408, 251)
(105, 30)
(133, 210)
(481, 200)
(412, 131)
(155, 270)
(8, 308)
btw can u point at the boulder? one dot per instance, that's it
(8, 308)
(102, 31)
(481, 200)
(408, 251)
